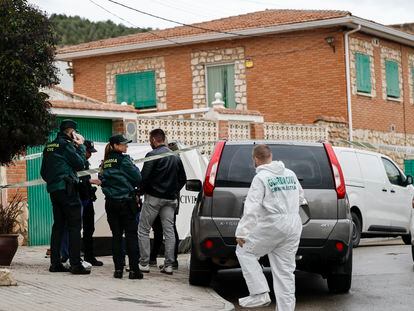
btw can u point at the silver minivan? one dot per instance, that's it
(326, 241)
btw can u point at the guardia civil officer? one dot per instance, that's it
(120, 180)
(87, 196)
(61, 159)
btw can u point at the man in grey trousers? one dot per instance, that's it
(162, 179)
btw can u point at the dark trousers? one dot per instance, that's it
(66, 212)
(88, 221)
(158, 239)
(122, 218)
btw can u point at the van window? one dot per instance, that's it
(349, 164)
(393, 173)
(371, 168)
(310, 163)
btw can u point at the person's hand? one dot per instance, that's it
(78, 139)
(240, 242)
(95, 182)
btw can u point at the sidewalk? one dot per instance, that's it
(40, 290)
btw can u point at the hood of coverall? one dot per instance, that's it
(275, 167)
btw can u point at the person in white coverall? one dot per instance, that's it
(271, 226)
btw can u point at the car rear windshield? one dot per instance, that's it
(310, 163)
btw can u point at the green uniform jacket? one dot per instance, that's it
(61, 159)
(120, 177)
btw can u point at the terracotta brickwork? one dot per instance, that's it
(294, 77)
(378, 112)
(16, 173)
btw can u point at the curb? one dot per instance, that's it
(228, 306)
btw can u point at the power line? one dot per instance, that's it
(176, 22)
(123, 19)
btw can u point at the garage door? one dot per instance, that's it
(40, 209)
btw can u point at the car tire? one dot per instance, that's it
(201, 271)
(356, 231)
(341, 283)
(406, 239)
(412, 251)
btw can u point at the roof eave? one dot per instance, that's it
(348, 21)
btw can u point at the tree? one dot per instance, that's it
(27, 51)
(75, 30)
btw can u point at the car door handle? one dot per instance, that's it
(384, 190)
(392, 191)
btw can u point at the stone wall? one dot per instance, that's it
(365, 47)
(395, 55)
(411, 76)
(136, 65)
(200, 60)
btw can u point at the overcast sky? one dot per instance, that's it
(192, 11)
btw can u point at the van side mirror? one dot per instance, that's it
(193, 185)
(409, 180)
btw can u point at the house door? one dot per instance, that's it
(40, 207)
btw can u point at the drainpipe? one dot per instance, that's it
(348, 80)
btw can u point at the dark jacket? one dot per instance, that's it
(120, 177)
(86, 190)
(61, 160)
(163, 178)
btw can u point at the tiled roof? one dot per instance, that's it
(61, 98)
(260, 19)
(90, 106)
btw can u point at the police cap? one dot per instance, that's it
(90, 146)
(119, 139)
(68, 124)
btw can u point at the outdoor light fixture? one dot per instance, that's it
(69, 70)
(331, 42)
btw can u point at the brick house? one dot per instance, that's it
(290, 65)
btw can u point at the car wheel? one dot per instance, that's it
(341, 283)
(201, 271)
(356, 231)
(412, 251)
(406, 239)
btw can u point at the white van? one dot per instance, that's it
(380, 195)
(195, 165)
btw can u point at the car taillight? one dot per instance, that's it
(336, 171)
(339, 246)
(209, 182)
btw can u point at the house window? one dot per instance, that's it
(221, 79)
(392, 79)
(363, 76)
(137, 88)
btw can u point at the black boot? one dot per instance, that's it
(58, 268)
(136, 275)
(94, 262)
(118, 274)
(79, 270)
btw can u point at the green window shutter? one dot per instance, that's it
(221, 79)
(392, 79)
(137, 88)
(363, 69)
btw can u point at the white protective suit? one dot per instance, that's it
(271, 226)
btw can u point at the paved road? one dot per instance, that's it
(39, 290)
(383, 279)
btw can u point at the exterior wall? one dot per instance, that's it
(201, 59)
(376, 111)
(295, 77)
(16, 173)
(291, 72)
(152, 63)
